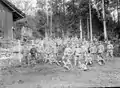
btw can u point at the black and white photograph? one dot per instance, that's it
(59, 43)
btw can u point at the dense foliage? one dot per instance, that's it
(61, 17)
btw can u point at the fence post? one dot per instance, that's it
(32, 42)
(19, 47)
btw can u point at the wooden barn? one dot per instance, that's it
(8, 15)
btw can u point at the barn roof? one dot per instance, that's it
(17, 13)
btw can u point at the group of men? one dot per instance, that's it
(86, 53)
(75, 52)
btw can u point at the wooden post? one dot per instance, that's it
(80, 29)
(19, 48)
(91, 37)
(104, 21)
(12, 32)
(22, 32)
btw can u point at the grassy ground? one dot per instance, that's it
(52, 76)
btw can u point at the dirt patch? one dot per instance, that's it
(52, 76)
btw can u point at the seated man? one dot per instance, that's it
(48, 54)
(52, 59)
(82, 66)
(88, 59)
(100, 60)
(67, 57)
(67, 63)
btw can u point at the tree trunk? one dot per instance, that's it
(104, 21)
(63, 2)
(117, 10)
(80, 29)
(51, 24)
(88, 33)
(46, 31)
(91, 37)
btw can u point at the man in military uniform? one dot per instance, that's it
(47, 52)
(100, 60)
(93, 50)
(100, 53)
(109, 49)
(78, 54)
(67, 57)
(82, 66)
(79, 58)
(84, 47)
(33, 52)
(88, 59)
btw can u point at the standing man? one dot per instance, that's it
(100, 52)
(109, 49)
